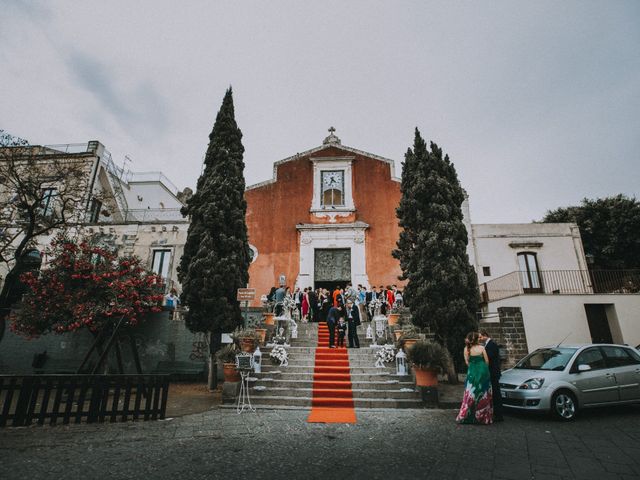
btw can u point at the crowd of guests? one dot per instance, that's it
(314, 305)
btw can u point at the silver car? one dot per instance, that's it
(566, 378)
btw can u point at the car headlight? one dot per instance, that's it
(532, 384)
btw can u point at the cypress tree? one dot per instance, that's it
(216, 255)
(442, 289)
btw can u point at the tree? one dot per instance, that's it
(609, 227)
(442, 288)
(8, 140)
(87, 286)
(41, 191)
(216, 255)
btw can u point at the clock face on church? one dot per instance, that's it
(332, 179)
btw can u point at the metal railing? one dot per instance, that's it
(561, 282)
(153, 215)
(142, 215)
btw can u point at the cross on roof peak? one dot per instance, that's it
(332, 138)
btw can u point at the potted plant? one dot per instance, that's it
(246, 338)
(394, 316)
(408, 337)
(268, 318)
(397, 331)
(428, 359)
(227, 355)
(262, 333)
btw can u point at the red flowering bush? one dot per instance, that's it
(85, 286)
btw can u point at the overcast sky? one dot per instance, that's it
(537, 103)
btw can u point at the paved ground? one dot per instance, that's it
(384, 444)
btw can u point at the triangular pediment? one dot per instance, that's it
(316, 152)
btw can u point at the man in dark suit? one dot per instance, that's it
(370, 297)
(493, 352)
(353, 320)
(332, 319)
(313, 305)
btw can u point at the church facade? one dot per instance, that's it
(326, 218)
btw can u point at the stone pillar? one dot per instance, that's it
(514, 338)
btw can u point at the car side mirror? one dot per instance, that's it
(583, 368)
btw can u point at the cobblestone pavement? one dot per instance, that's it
(383, 444)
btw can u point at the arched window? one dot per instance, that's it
(529, 272)
(332, 197)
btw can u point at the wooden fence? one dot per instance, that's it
(27, 399)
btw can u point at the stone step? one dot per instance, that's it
(264, 401)
(354, 377)
(313, 351)
(308, 384)
(357, 393)
(371, 370)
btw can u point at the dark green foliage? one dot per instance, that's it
(216, 257)
(442, 291)
(425, 354)
(610, 230)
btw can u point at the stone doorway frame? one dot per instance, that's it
(334, 236)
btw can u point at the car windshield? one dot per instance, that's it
(547, 359)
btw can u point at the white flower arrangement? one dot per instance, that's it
(386, 354)
(280, 354)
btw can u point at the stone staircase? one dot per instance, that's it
(292, 386)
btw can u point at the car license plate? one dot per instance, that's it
(504, 394)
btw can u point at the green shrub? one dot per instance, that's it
(425, 354)
(227, 354)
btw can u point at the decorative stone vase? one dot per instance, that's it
(408, 343)
(263, 334)
(247, 345)
(393, 318)
(231, 374)
(269, 318)
(426, 377)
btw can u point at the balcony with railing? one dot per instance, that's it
(142, 215)
(561, 282)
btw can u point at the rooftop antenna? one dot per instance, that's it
(563, 340)
(124, 163)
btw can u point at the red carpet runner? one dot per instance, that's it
(332, 395)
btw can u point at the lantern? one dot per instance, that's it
(369, 333)
(401, 363)
(257, 360)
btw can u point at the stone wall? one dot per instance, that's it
(509, 333)
(159, 339)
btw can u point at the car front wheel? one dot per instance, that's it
(564, 405)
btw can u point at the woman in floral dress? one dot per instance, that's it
(477, 402)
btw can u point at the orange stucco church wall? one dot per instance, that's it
(274, 210)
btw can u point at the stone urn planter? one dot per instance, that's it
(248, 344)
(263, 334)
(408, 343)
(427, 359)
(269, 318)
(231, 374)
(426, 377)
(393, 318)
